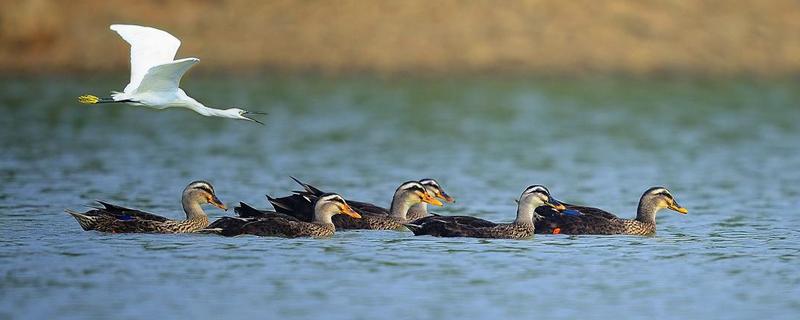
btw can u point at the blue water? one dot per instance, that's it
(728, 150)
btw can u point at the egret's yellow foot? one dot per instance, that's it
(88, 99)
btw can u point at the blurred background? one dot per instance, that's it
(649, 38)
(598, 100)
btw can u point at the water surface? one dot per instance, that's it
(728, 150)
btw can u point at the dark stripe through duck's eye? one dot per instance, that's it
(205, 188)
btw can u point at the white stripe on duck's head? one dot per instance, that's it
(202, 192)
(415, 192)
(661, 198)
(434, 188)
(335, 204)
(539, 195)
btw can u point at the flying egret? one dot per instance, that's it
(155, 77)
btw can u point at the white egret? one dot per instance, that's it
(155, 77)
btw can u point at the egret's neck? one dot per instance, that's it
(198, 107)
(212, 112)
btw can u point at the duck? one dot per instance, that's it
(465, 226)
(416, 211)
(117, 219)
(420, 210)
(589, 220)
(406, 196)
(275, 224)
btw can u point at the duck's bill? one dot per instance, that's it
(555, 204)
(217, 203)
(429, 199)
(347, 210)
(250, 113)
(678, 208)
(444, 196)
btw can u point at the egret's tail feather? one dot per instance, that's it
(86, 222)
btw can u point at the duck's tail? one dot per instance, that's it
(309, 188)
(86, 222)
(415, 228)
(210, 230)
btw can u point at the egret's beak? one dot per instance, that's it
(444, 196)
(552, 202)
(217, 203)
(346, 209)
(676, 207)
(427, 198)
(244, 115)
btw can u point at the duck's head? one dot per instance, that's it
(413, 192)
(538, 195)
(202, 192)
(660, 198)
(436, 190)
(332, 204)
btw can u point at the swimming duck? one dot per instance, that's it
(420, 210)
(269, 223)
(596, 221)
(465, 226)
(416, 211)
(406, 196)
(117, 219)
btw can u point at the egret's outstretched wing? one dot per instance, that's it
(165, 77)
(149, 47)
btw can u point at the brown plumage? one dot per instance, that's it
(269, 223)
(118, 219)
(410, 197)
(588, 220)
(464, 226)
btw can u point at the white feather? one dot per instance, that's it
(165, 77)
(149, 47)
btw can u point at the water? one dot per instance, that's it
(728, 150)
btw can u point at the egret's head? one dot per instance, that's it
(237, 113)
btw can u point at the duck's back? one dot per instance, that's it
(453, 226)
(281, 227)
(368, 222)
(118, 219)
(587, 220)
(123, 213)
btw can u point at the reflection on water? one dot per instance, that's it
(726, 149)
